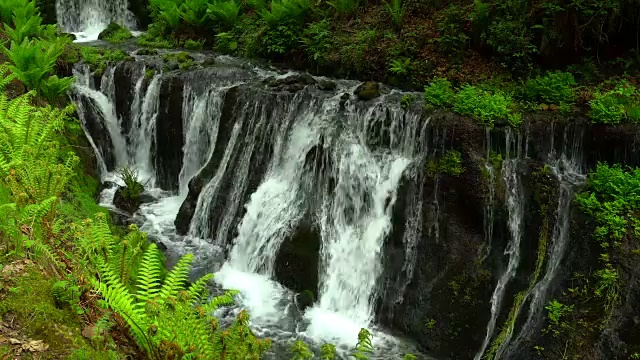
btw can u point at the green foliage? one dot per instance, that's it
(317, 41)
(482, 105)
(328, 352)
(300, 351)
(396, 9)
(225, 12)
(285, 13)
(344, 7)
(556, 312)
(119, 35)
(194, 12)
(400, 67)
(364, 347)
(282, 39)
(33, 60)
(194, 44)
(150, 41)
(406, 101)
(99, 59)
(452, 38)
(163, 314)
(26, 22)
(439, 93)
(451, 163)
(616, 105)
(225, 43)
(133, 188)
(512, 44)
(552, 88)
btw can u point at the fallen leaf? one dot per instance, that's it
(35, 346)
(15, 341)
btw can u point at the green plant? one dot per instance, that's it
(452, 38)
(54, 87)
(512, 44)
(282, 39)
(439, 93)
(119, 35)
(225, 42)
(194, 44)
(364, 346)
(451, 163)
(396, 9)
(317, 41)
(482, 105)
(33, 60)
(133, 187)
(225, 12)
(556, 312)
(150, 41)
(406, 101)
(194, 12)
(286, 13)
(400, 67)
(161, 312)
(26, 22)
(552, 88)
(328, 352)
(344, 7)
(615, 106)
(300, 351)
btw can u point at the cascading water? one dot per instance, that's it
(489, 215)
(515, 207)
(567, 168)
(87, 18)
(143, 128)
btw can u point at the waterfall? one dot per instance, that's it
(87, 18)
(489, 216)
(202, 120)
(567, 169)
(515, 207)
(142, 130)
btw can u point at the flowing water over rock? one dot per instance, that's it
(87, 18)
(329, 213)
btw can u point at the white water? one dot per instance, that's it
(515, 207)
(142, 131)
(87, 18)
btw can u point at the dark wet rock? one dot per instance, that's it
(126, 203)
(169, 136)
(305, 300)
(293, 83)
(327, 85)
(94, 125)
(368, 91)
(297, 260)
(73, 37)
(120, 218)
(147, 51)
(122, 77)
(209, 61)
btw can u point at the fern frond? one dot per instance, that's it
(177, 278)
(149, 274)
(198, 289)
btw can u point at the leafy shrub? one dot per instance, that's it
(33, 60)
(396, 9)
(451, 163)
(552, 88)
(482, 105)
(166, 14)
(194, 12)
(317, 41)
(225, 43)
(439, 93)
(194, 44)
(344, 7)
(452, 40)
(53, 88)
(400, 67)
(512, 44)
(133, 187)
(615, 106)
(225, 12)
(284, 12)
(26, 22)
(283, 38)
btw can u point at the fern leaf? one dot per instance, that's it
(149, 274)
(177, 278)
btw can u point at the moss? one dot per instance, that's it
(183, 59)
(29, 299)
(149, 74)
(114, 33)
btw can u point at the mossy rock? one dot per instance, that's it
(368, 91)
(181, 60)
(114, 30)
(146, 51)
(123, 201)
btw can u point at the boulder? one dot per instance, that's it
(110, 30)
(124, 202)
(297, 262)
(368, 91)
(169, 134)
(327, 85)
(293, 83)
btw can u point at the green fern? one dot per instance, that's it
(328, 352)
(365, 346)
(300, 351)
